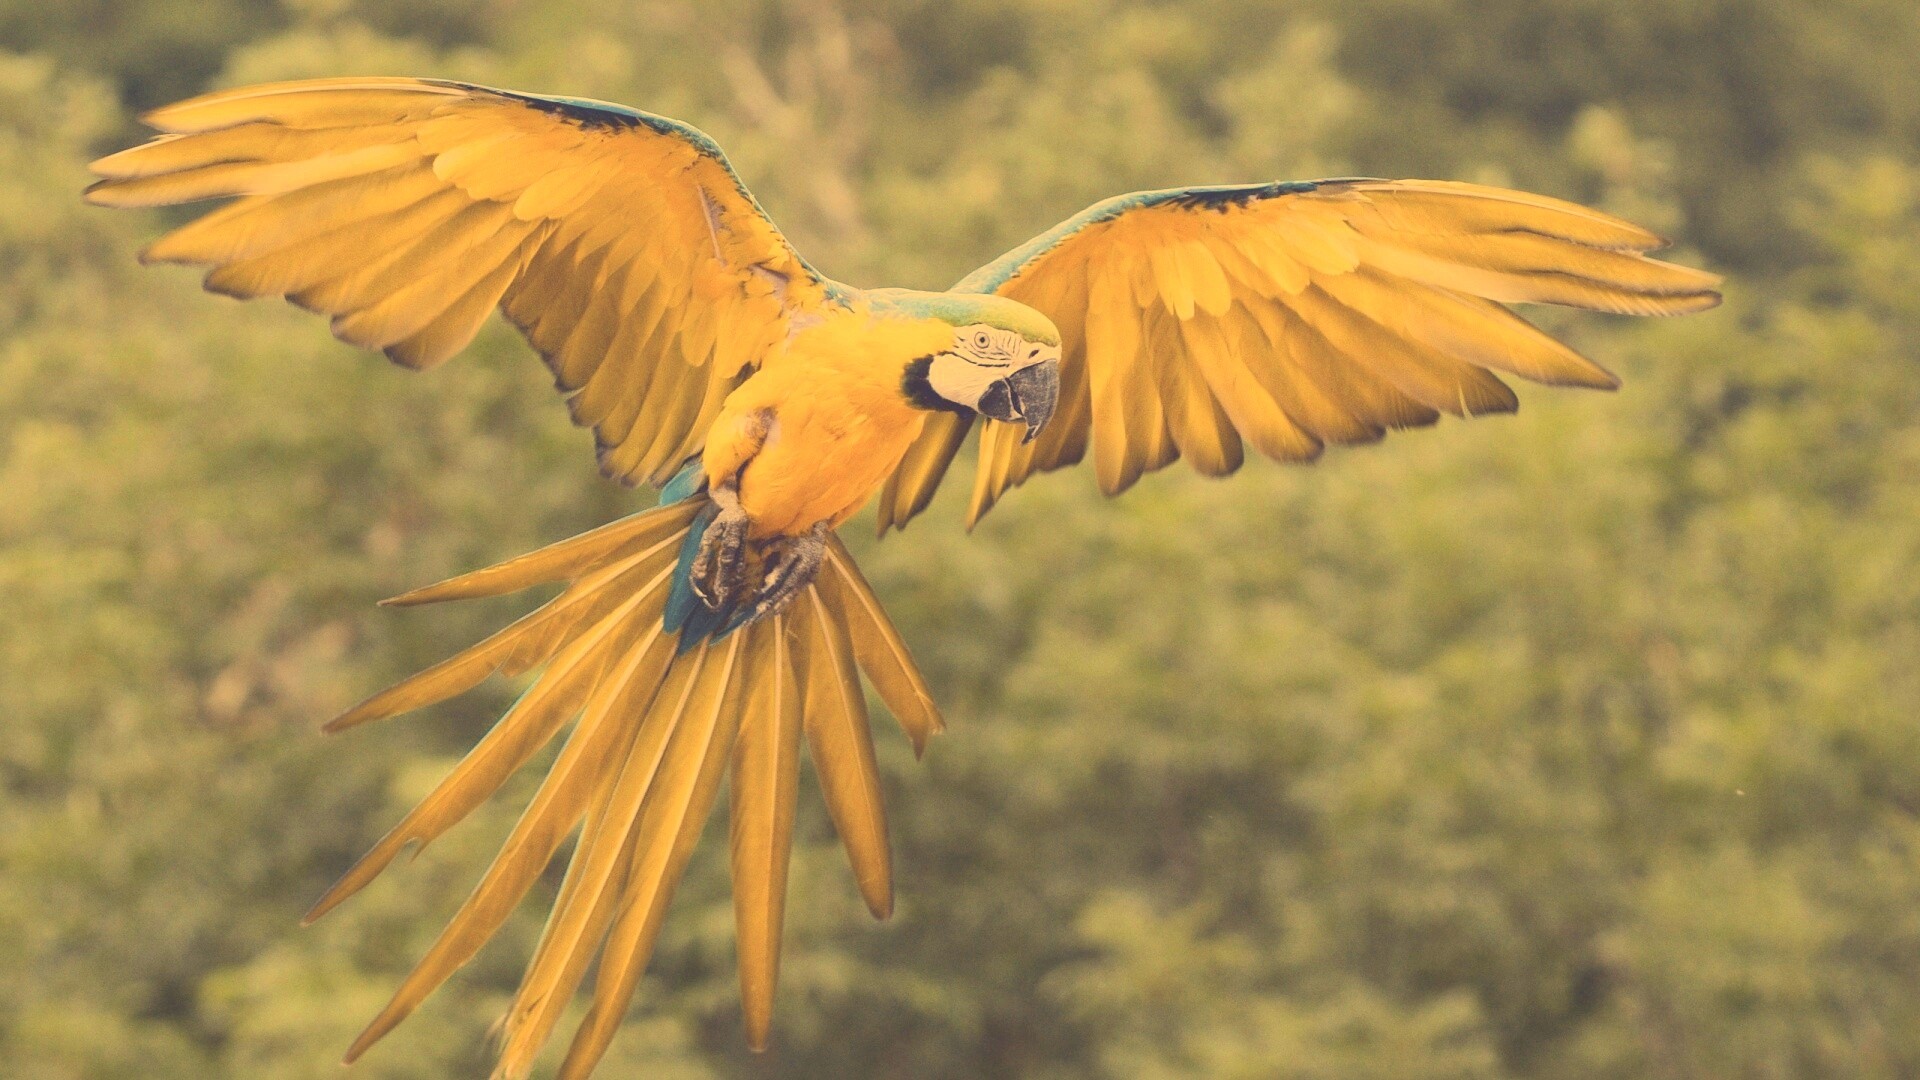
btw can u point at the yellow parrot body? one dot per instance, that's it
(818, 430)
(708, 638)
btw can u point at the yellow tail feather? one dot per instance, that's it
(654, 731)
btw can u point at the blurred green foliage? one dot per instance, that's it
(1576, 745)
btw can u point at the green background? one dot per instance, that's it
(1580, 744)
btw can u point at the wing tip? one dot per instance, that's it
(98, 192)
(1693, 303)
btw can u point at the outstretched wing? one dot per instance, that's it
(621, 243)
(1289, 316)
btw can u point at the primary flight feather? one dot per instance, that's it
(713, 635)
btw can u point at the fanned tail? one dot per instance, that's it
(654, 727)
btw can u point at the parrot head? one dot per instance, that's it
(1003, 363)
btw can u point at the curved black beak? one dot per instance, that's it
(1025, 397)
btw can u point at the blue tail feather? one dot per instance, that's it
(682, 604)
(691, 480)
(685, 614)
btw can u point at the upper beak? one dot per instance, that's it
(1026, 396)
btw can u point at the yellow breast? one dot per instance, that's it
(840, 420)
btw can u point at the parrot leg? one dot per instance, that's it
(792, 569)
(717, 566)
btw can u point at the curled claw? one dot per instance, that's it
(717, 565)
(791, 570)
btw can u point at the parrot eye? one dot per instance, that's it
(981, 340)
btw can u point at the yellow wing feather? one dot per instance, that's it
(406, 210)
(1292, 316)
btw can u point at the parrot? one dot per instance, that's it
(709, 635)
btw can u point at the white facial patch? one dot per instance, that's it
(981, 356)
(960, 380)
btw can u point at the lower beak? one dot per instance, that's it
(1027, 397)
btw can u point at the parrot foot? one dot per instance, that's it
(792, 569)
(717, 566)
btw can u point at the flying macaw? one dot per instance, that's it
(712, 633)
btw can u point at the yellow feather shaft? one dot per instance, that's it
(1528, 254)
(595, 330)
(586, 601)
(764, 788)
(1170, 277)
(911, 487)
(1113, 345)
(246, 143)
(440, 278)
(1311, 418)
(1550, 287)
(670, 827)
(1450, 206)
(316, 270)
(558, 805)
(529, 725)
(1337, 401)
(537, 1006)
(611, 397)
(691, 421)
(557, 561)
(1269, 249)
(461, 249)
(527, 641)
(500, 148)
(1238, 262)
(842, 748)
(1211, 293)
(454, 328)
(449, 678)
(502, 165)
(1474, 330)
(249, 178)
(258, 224)
(1200, 430)
(596, 872)
(1251, 409)
(547, 302)
(305, 103)
(562, 191)
(1323, 244)
(504, 649)
(1429, 377)
(649, 394)
(574, 928)
(878, 648)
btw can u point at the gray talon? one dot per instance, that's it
(791, 570)
(717, 566)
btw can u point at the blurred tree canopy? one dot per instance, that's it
(1575, 745)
